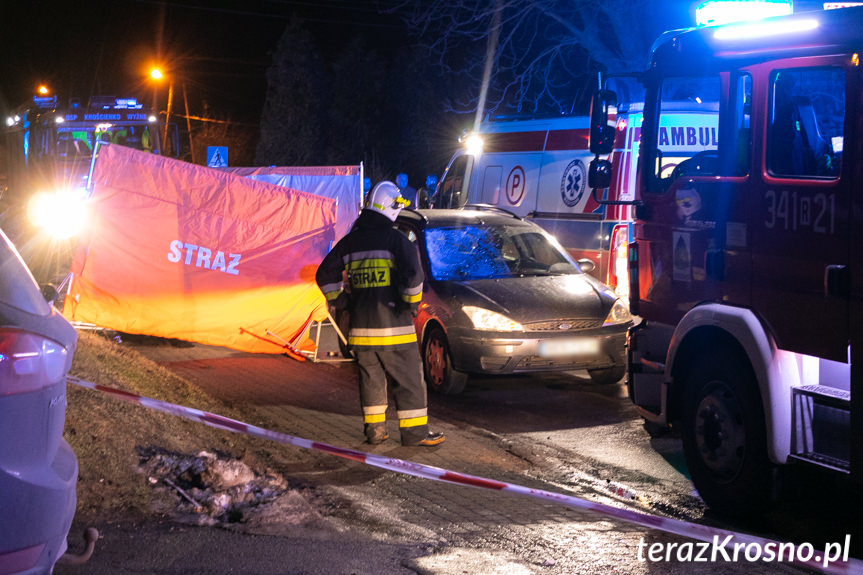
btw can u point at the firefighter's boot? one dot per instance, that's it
(376, 433)
(430, 440)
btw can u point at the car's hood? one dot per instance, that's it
(537, 298)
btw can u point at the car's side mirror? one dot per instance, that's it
(586, 265)
(603, 116)
(50, 293)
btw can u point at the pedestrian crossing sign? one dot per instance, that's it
(217, 156)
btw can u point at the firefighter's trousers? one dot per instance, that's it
(404, 367)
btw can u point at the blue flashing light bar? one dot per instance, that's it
(717, 12)
(45, 101)
(114, 103)
(765, 29)
(127, 104)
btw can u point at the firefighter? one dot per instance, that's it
(374, 272)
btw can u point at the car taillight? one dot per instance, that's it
(21, 560)
(618, 270)
(29, 362)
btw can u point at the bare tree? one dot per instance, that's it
(548, 53)
(294, 111)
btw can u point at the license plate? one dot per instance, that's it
(562, 347)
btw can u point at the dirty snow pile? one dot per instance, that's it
(215, 489)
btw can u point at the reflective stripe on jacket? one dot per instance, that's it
(384, 282)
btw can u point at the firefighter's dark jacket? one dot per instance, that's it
(385, 283)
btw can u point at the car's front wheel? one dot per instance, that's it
(607, 375)
(437, 364)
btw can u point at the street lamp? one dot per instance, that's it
(158, 75)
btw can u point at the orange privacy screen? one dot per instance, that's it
(182, 251)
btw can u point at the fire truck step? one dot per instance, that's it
(822, 427)
(820, 460)
(823, 395)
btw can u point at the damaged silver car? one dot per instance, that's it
(502, 296)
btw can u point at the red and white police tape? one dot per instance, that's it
(711, 535)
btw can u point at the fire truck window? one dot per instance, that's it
(688, 137)
(807, 119)
(742, 105)
(65, 147)
(120, 135)
(41, 143)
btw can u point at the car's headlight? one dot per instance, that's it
(619, 314)
(63, 214)
(489, 320)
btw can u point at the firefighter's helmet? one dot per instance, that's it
(386, 199)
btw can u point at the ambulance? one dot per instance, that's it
(537, 169)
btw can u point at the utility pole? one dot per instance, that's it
(168, 117)
(188, 123)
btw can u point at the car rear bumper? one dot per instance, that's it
(37, 506)
(502, 354)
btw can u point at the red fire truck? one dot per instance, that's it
(49, 145)
(743, 266)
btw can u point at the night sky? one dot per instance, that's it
(218, 49)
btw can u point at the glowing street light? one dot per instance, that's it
(157, 75)
(43, 90)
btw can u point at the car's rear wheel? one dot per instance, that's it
(437, 364)
(607, 375)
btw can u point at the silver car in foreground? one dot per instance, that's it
(501, 296)
(38, 469)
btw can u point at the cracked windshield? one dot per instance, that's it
(473, 253)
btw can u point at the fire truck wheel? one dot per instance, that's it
(437, 364)
(608, 375)
(724, 437)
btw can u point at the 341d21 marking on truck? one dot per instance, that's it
(793, 210)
